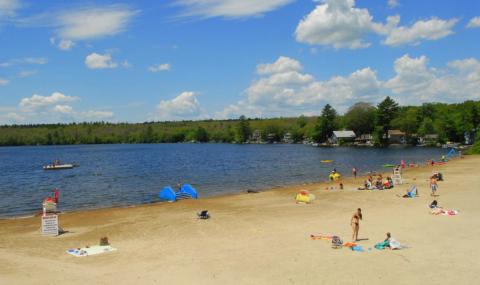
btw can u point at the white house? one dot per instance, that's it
(343, 136)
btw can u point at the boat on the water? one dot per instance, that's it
(57, 165)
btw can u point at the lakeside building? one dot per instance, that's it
(345, 136)
(287, 138)
(364, 140)
(396, 137)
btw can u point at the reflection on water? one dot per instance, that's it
(114, 175)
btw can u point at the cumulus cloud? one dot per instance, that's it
(336, 23)
(100, 61)
(160, 67)
(3, 81)
(8, 8)
(229, 8)
(474, 22)
(64, 109)
(432, 29)
(50, 109)
(289, 91)
(37, 102)
(283, 89)
(183, 107)
(340, 24)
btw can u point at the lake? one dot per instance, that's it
(120, 175)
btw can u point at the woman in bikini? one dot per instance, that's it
(355, 222)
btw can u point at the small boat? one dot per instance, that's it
(326, 161)
(58, 166)
(388, 165)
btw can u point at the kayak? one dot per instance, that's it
(326, 161)
(58, 166)
(389, 165)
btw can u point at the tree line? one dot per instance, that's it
(450, 122)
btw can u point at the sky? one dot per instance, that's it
(137, 61)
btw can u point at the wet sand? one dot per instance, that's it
(263, 238)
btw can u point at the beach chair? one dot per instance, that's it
(413, 191)
(203, 215)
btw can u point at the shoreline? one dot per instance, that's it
(308, 185)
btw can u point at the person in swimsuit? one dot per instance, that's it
(355, 222)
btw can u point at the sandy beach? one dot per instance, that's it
(263, 238)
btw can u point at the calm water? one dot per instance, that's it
(118, 175)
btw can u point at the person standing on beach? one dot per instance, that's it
(354, 172)
(355, 222)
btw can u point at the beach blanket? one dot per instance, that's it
(358, 248)
(92, 250)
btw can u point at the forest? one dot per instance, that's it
(449, 122)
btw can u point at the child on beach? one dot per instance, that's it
(433, 185)
(354, 172)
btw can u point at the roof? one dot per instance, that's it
(344, 134)
(395, 133)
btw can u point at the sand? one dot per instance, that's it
(262, 238)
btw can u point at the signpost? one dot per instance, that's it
(50, 225)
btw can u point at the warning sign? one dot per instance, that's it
(50, 225)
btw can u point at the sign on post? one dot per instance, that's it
(50, 225)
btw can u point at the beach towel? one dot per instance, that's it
(357, 248)
(440, 211)
(92, 250)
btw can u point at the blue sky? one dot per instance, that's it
(138, 61)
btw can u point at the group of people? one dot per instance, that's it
(377, 183)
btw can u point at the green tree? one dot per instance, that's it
(243, 130)
(386, 111)
(326, 124)
(360, 118)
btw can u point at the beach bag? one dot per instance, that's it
(336, 242)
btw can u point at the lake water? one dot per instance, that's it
(120, 175)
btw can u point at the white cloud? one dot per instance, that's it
(415, 82)
(432, 29)
(183, 107)
(50, 109)
(340, 24)
(37, 102)
(229, 8)
(287, 91)
(100, 61)
(24, 61)
(392, 3)
(282, 64)
(160, 67)
(3, 81)
(336, 23)
(291, 92)
(93, 115)
(93, 22)
(62, 44)
(474, 22)
(64, 109)
(8, 8)
(26, 73)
